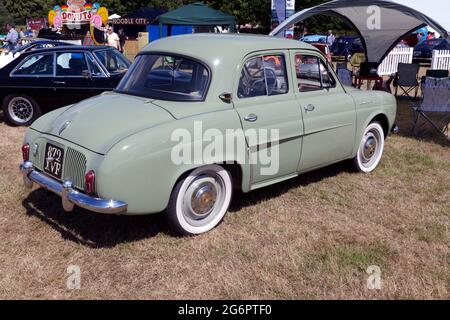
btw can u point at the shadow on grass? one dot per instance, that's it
(241, 200)
(90, 229)
(107, 231)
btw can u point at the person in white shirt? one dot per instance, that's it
(12, 38)
(113, 39)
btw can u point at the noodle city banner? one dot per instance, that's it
(77, 12)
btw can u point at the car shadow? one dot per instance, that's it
(90, 229)
(242, 200)
(107, 231)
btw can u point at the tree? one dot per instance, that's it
(21, 10)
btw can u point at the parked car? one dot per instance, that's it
(423, 52)
(119, 153)
(46, 79)
(314, 38)
(345, 47)
(325, 49)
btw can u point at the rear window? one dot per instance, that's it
(166, 77)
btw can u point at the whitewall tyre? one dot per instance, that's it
(200, 201)
(370, 149)
(20, 110)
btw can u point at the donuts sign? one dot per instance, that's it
(77, 12)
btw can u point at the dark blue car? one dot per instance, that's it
(345, 47)
(423, 52)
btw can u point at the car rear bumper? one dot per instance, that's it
(70, 197)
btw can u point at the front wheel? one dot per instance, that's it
(370, 149)
(200, 201)
(20, 110)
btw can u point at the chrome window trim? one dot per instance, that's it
(109, 74)
(99, 65)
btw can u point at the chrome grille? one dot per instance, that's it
(75, 168)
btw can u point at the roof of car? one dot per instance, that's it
(209, 47)
(71, 47)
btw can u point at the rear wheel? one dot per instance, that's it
(370, 149)
(20, 110)
(200, 201)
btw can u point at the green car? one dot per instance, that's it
(198, 116)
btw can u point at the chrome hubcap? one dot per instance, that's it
(369, 150)
(20, 110)
(204, 199)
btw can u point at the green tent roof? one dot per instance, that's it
(197, 14)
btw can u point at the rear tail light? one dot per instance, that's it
(90, 182)
(26, 152)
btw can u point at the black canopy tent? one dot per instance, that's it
(137, 21)
(396, 22)
(196, 14)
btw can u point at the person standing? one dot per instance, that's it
(113, 39)
(21, 33)
(122, 40)
(330, 38)
(12, 38)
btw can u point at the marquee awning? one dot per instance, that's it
(397, 19)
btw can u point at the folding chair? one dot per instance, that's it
(345, 76)
(407, 79)
(435, 74)
(341, 65)
(436, 99)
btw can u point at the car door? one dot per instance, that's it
(73, 80)
(266, 104)
(33, 77)
(329, 113)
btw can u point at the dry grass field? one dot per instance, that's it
(309, 238)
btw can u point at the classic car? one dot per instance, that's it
(42, 80)
(122, 152)
(345, 47)
(314, 38)
(423, 52)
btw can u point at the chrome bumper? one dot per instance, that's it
(70, 197)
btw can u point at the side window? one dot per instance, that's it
(36, 65)
(308, 75)
(312, 74)
(276, 75)
(70, 64)
(263, 76)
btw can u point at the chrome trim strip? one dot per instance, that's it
(69, 196)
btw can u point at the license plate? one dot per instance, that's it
(53, 163)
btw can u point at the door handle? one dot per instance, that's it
(310, 108)
(59, 82)
(251, 118)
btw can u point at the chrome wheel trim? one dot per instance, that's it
(371, 148)
(203, 199)
(20, 110)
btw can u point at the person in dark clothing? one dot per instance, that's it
(122, 40)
